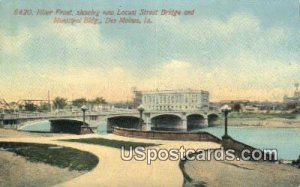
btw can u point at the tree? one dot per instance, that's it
(237, 107)
(45, 107)
(79, 102)
(291, 106)
(30, 107)
(21, 107)
(98, 101)
(59, 103)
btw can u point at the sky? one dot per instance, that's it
(235, 49)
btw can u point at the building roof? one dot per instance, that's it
(173, 91)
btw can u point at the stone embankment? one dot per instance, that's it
(166, 135)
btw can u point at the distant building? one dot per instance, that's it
(250, 109)
(100, 107)
(137, 97)
(236, 105)
(250, 106)
(294, 100)
(187, 99)
(229, 102)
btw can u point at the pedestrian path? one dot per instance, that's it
(113, 171)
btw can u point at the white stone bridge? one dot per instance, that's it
(182, 120)
(166, 119)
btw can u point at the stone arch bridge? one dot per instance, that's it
(155, 120)
(183, 120)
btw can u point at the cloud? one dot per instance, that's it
(206, 29)
(78, 36)
(13, 45)
(215, 37)
(174, 74)
(242, 60)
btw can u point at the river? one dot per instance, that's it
(285, 140)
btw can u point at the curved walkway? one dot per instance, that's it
(113, 171)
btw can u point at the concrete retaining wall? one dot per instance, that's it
(166, 135)
(230, 143)
(86, 130)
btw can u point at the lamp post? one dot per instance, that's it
(84, 109)
(141, 110)
(226, 109)
(2, 117)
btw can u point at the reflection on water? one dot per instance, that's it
(37, 126)
(45, 126)
(102, 127)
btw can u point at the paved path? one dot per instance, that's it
(113, 171)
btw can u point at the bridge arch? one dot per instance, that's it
(123, 121)
(72, 126)
(153, 115)
(120, 115)
(213, 119)
(166, 122)
(195, 121)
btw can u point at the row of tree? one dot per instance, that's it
(62, 103)
(83, 101)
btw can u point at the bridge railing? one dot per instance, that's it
(32, 115)
(25, 115)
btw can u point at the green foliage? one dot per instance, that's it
(291, 106)
(79, 102)
(45, 107)
(236, 107)
(263, 115)
(111, 143)
(83, 101)
(59, 103)
(62, 157)
(98, 101)
(30, 107)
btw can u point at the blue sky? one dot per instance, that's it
(234, 49)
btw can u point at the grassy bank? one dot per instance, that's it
(263, 116)
(62, 157)
(111, 143)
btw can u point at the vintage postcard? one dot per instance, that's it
(149, 93)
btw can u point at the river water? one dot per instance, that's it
(285, 140)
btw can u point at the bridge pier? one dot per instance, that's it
(183, 125)
(1, 119)
(148, 122)
(206, 121)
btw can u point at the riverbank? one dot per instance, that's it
(113, 170)
(159, 173)
(272, 122)
(37, 164)
(241, 173)
(63, 157)
(13, 133)
(17, 171)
